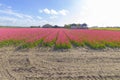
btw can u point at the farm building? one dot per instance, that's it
(74, 26)
(78, 26)
(47, 26)
(50, 26)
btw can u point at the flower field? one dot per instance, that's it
(58, 38)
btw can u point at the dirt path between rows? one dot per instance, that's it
(73, 64)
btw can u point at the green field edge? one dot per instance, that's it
(39, 43)
(104, 28)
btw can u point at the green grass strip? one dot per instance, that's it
(10, 43)
(95, 45)
(63, 46)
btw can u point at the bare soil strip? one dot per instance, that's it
(73, 64)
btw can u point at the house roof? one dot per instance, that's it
(73, 25)
(47, 25)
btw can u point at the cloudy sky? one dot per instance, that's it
(59, 12)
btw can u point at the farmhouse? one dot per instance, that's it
(50, 26)
(47, 26)
(74, 26)
(56, 26)
(78, 26)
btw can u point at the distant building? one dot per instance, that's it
(84, 26)
(50, 26)
(47, 26)
(78, 26)
(56, 26)
(74, 26)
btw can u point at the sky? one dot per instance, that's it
(59, 12)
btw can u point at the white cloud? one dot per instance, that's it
(13, 13)
(101, 12)
(4, 18)
(11, 21)
(63, 12)
(39, 17)
(40, 11)
(10, 17)
(53, 17)
(93, 12)
(27, 16)
(5, 6)
(54, 12)
(47, 11)
(10, 12)
(7, 20)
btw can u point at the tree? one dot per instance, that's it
(67, 26)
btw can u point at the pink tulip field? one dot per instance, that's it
(59, 38)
